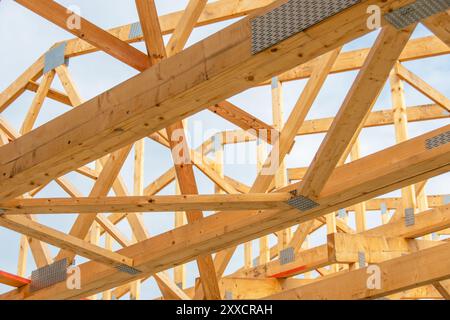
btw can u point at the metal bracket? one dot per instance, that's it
(49, 275)
(291, 18)
(127, 269)
(228, 295)
(342, 213)
(414, 12)
(301, 203)
(383, 208)
(216, 141)
(274, 83)
(55, 57)
(287, 255)
(361, 259)
(410, 218)
(438, 140)
(135, 31)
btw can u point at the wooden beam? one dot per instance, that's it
(83, 223)
(375, 119)
(311, 259)
(68, 85)
(243, 120)
(439, 25)
(15, 89)
(151, 29)
(379, 118)
(442, 290)
(170, 203)
(89, 32)
(38, 100)
(12, 280)
(61, 240)
(140, 109)
(217, 11)
(410, 162)
(51, 94)
(345, 248)
(355, 109)
(185, 26)
(285, 141)
(403, 273)
(186, 179)
(422, 86)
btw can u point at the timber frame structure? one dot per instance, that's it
(408, 248)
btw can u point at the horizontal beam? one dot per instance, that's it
(215, 202)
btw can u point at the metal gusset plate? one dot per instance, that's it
(49, 275)
(438, 140)
(291, 18)
(413, 13)
(55, 57)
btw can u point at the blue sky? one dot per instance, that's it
(25, 36)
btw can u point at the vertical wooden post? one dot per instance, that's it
(281, 175)
(107, 295)
(179, 272)
(138, 190)
(401, 134)
(360, 208)
(23, 256)
(264, 248)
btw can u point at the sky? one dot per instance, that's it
(24, 36)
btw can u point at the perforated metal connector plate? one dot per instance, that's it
(216, 142)
(383, 208)
(421, 9)
(55, 57)
(438, 140)
(361, 259)
(342, 213)
(49, 275)
(228, 295)
(287, 255)
(127, 269)
(135, 31)
(301, 203)
(410, 219)
(291, 18)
